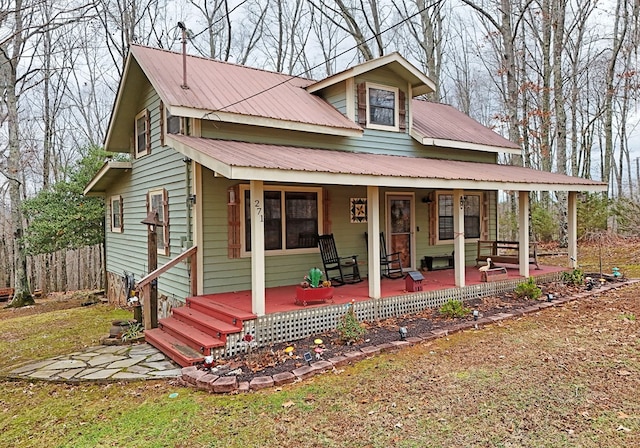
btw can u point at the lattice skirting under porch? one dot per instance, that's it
(293, 325)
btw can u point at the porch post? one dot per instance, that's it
(257, 248)
(373, 230)
(523, 237)
(458, 238)
(197, 223)
(572, 228)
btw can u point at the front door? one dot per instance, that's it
(399, 227)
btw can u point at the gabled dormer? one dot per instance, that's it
(376, 94)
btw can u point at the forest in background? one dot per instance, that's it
(558, 77)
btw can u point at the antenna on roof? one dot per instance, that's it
(184, 55)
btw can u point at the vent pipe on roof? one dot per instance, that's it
(184, 55)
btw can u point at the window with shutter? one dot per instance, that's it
(381, 107)
(159, 200)
(116, 215)
(292, 218)
(142, 140)
(444, 228)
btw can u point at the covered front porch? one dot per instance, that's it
(282, 298)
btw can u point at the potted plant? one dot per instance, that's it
(313, 288)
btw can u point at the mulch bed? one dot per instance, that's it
(268, 361)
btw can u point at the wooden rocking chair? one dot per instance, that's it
(346, 267)
(390, 264)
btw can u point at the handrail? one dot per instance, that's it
(164, 268)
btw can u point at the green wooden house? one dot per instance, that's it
(241, 164)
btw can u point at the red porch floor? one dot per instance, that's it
(282, 298)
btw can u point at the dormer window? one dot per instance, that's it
(379, 107)
(382, 106)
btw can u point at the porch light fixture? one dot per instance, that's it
(232, 197)
(463, 199)
(403, 333)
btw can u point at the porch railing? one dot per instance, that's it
(144, 285)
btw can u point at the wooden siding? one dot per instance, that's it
(335, 95)
(163, 168)
(223, 274)
(372, 141)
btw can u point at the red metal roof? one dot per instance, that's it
(220, 86)
(289, 159)
(444, 122)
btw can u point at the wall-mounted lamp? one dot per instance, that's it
(463, 199)
(232, 196)
(192, 199)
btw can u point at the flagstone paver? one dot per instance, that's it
(103, 363)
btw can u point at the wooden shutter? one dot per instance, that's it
(110, 214)
(362, 104)
(433, 219)
(148, 131)
(326, 216)
(165, 220)
(484, 216)
(402, 111)
(121, 215)
(162, 120)
(233, 222)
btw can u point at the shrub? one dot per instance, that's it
(454, 308)
(575, 277)
(349, 328)
(528, 289)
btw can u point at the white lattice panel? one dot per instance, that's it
(293, 325)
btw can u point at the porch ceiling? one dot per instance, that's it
(255, 161)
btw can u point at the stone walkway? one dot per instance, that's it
(102, 363)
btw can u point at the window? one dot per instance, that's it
(471, 204)
(158, 200)
(382, 107)
(291, 218)
(142, 134)
(116, 214)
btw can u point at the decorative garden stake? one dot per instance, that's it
(208, 362)
(289, 350)
(403, 333)
(476, 314)
(549, 297)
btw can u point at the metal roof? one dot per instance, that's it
(442, 125)
(254, 161)
(216, 88)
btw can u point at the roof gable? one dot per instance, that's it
(420, 83)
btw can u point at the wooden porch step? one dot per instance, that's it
(205, 322)
(227, 313)
(199, 340)
(172, 347)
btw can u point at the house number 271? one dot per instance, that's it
(258, 208)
